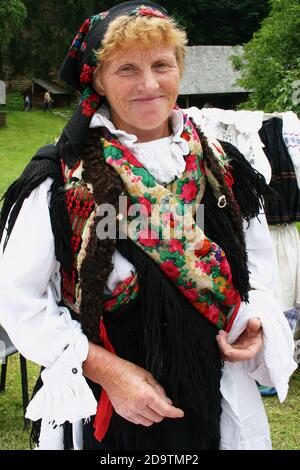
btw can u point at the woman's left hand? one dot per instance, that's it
(247, 345)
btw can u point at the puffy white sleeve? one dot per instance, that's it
(244, 424)
(40, 329)
(275, 364)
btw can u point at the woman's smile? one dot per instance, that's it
(141, 87)
(148, 98)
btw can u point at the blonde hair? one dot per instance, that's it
(146, 30)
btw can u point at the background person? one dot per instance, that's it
(48, 101)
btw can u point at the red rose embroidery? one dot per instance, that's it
(189, 191)
(73, 53)
(213, 313)
(202, 307)
(117, 144)
(86, 75)
(191, 294)
(206, 268)
(185, 135)
(191, 163)
(148, 238)
(170, 269)
(90, 105)
(225, 268)
(131, 158)
(146, 205)
(176, 245)
(232, 296)
(85, 27)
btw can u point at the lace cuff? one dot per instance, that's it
(65, 395)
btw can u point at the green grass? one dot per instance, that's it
(283, 418)
(23, 135)
(13, 436)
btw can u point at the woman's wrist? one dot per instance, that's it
(98, 364)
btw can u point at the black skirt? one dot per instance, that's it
(199, 429)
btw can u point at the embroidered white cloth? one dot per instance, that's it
(291, 136)
(41, 330)
(286, 241)
(240, 128)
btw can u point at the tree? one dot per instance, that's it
(12, 15)
(45, 38)
(51, 24)
(270, 65)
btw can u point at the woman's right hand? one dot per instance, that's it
(133, 391)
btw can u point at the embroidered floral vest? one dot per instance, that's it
(202, 275)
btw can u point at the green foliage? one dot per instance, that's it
(270, 65)
(12, 16)
(51, 25)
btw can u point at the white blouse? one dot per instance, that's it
(163, 158)
(45, 333)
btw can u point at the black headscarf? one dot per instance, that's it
(76, 70)
(79, 65)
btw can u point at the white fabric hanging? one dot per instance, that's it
(286, 241)
(291, 136)
(240, 128)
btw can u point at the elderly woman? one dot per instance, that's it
(130, 325)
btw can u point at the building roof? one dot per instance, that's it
(52, 87)
(209, 70)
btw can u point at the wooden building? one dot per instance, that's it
(210, 78)
(61, 96)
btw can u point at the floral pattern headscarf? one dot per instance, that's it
(79, 65)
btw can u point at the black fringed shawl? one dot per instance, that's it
(250, 187)
(250, 190)
(45, 164)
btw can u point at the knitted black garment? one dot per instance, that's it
(163, 333)
(286, 208)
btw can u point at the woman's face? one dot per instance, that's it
(141, 86)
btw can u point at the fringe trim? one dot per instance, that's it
(171, 324)
(250, 189)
